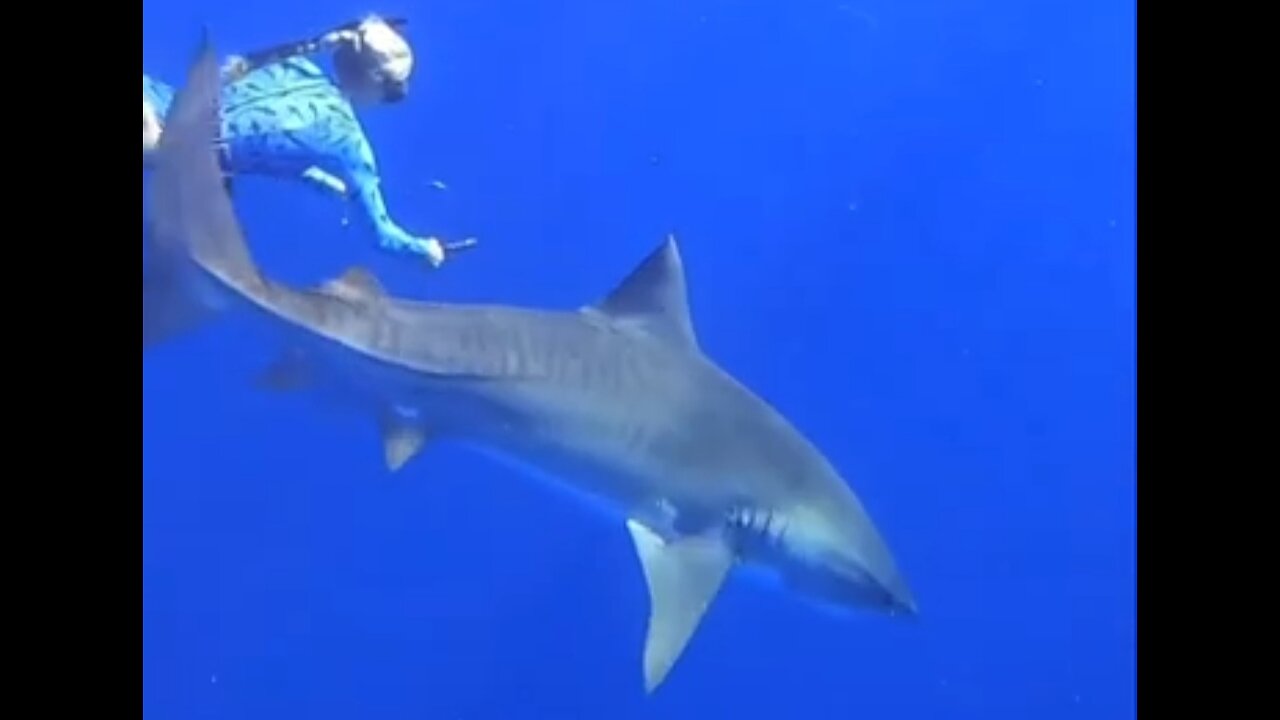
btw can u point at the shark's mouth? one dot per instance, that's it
(767, 539)
(757, 534)
(839, 586)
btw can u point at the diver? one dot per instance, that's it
(282, 116)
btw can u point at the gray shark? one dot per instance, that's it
(614, 400)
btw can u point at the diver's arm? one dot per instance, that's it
(392, 237)
(324, 181)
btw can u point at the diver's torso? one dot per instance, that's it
(284, 118)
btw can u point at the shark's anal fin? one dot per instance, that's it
(356, 285)
(289, 372)
(654, 297)
(684, 575)
(401, 438)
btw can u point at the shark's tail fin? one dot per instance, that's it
(194, 239)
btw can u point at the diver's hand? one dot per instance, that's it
(437, 250)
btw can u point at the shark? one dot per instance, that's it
(614, 400)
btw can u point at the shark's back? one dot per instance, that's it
(513, 344)
(553, 378)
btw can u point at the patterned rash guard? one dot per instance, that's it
(287, 119)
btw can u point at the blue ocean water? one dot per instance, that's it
(909, 225)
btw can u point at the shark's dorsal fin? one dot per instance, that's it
(654, 296)
(684, 575)
(357, 284)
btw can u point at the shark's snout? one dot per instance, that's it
(905, 606)
(898, 600)
(835, 556)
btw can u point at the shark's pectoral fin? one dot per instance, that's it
(289, 372)
(684, 575)
(401, 444)
(401, 440)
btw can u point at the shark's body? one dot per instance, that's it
(615, 400)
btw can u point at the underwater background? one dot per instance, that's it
(909, 225)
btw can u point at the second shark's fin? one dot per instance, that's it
(401, 439)
(684, 575)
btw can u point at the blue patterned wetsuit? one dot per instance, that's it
(287, 119)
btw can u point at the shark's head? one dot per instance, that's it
(840, 560)
(822, 544)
